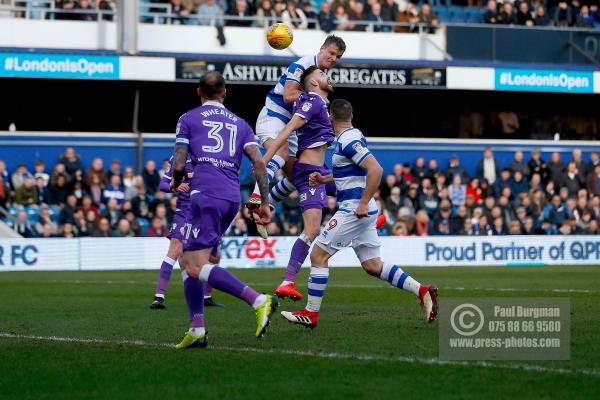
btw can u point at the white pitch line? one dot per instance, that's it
(324, 355)
(351, 286)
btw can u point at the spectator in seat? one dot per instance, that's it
(181, 12)
(455, 168)
(514, 228)
(593, 181)
(580, 165)
(26, 194)
(523, 14)
(240, 10)
(458, 219)
(467, 228)
(114, 190)
(113, 213)
(59, 190)
(124, 229)
(40, 172)
(326, 18)
(294, 16)
(517, 164)
(571, 180)
(357, 13)
(210, 13)
(427, 17)
(342, 19)
(457, 191)
(541, 17)
(96, 170)
(310, 13)
(422, 223)
(265, 14)
(539, 166)
(393, 203)
(151, 177)
(491, 14)
(418, 171)
(103, 229)
(555, 212)
(595, 11)
(22, 226)
(429, 201)
(498, 228)
(488, 167)
(474, 191)
(442, 217)
(406, 13)
(43, 195)
(432, 169)
(83, 6)
(115, 169)
(594, 160)
(157, 228)
(563, 15)
(19, 176)
(508, 16)
(71, 161)
(376, 19)
(389, 10)
(140, 204)
(67, 231)
(555, 167)
(519, 184)
(44, 221)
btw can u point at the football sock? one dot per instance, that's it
(194, 296)
(297, 257)
(220, 278)
(276, 163)
(396, 277)
(166, 268)
(207, 291)
(281, 190)
(317, 282)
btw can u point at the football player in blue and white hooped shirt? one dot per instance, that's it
(357, 175)
(277, 112)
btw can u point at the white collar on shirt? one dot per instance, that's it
(213, 103)
(326, 101)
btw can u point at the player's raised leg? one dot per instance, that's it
(397, 277)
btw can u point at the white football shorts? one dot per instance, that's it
(345, 229)
(268, 127)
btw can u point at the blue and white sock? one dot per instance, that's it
(396, 277)
(317, 282)
(276, 163)
(281, 190)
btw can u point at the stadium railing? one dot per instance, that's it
(47, 9)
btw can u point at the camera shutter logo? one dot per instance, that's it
(463, 319)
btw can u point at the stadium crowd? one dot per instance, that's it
(353, 15)
(532, 196)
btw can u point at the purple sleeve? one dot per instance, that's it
(249, 138)
(165, 182)
(307, 107)
(182, 132)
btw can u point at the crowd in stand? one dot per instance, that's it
(532, 196)
(353, 15)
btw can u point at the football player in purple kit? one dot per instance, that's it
(310, 120)
(175, 236)
(216, 139)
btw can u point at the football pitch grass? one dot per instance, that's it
(91, 335)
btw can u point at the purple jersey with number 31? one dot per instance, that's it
(216, 139)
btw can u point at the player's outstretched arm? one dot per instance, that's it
(295, 123)
(260, 174)
(179, 159)
(291, 92)
(374, 174)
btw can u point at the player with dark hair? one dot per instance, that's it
(315, 134)
(215, 138)
(277, 112)
(357, 175)
(175, 236)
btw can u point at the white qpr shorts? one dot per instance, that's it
(268, 127)
(345, 229)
